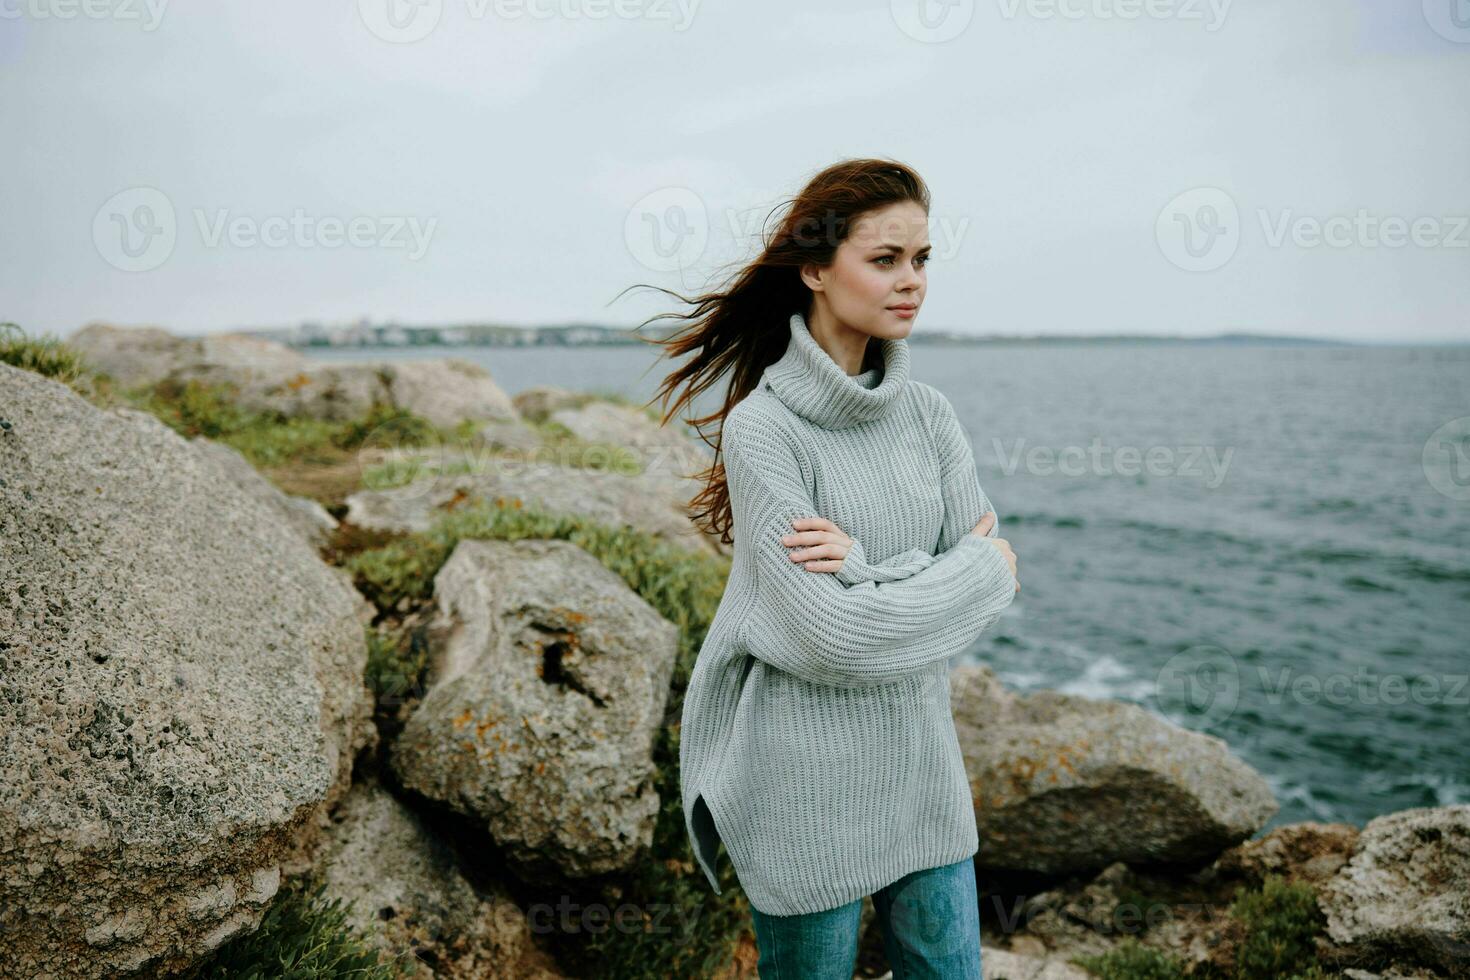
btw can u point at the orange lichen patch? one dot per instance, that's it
(298, 382)
(463, 718)
(484, 726)
(512, 502)
(457, 498)
(570, 615)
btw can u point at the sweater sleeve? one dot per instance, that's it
(813, 626)
(964, 504)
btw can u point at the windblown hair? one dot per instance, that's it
(743, 328)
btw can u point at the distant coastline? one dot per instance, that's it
(364, 334)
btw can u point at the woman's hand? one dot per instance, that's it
(818, 543)
(983, 528)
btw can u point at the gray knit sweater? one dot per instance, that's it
(817, 741)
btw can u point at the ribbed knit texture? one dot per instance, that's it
(817, 741)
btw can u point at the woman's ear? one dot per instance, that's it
(811, 274)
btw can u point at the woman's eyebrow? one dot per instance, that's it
(890, 247)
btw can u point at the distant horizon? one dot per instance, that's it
(922, 335)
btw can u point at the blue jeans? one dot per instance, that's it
(931, 930)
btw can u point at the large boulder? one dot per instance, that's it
(443, 390)
(181, 692)
(543, 706)
(656, 505)
(268, 376)
(404, 891)
(309, 518)
(1066, 784)
(1404, 894)
(661, 449)
(146, 355)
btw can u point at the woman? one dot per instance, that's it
(816, 741)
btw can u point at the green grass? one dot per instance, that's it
(303, 936)
(1131, 960)
(1282, 921)
(46, 356)
(1279, 923)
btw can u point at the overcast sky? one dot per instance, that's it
(1097, 166)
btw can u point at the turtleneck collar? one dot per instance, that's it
(815, 387)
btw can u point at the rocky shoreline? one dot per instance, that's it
(449, 692)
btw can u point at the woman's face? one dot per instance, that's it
(876, 282)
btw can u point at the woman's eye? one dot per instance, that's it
(885, 258)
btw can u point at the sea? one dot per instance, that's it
(1269, 544)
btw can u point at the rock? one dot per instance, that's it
(130, 355)
(542, 708)
(181, 692)
(446, 390)
(271, 377)
(333, 392)
(1404, 894)
(146, 355)
(538, 403)
(1001, 965)
(662, 449)
(655, 505)
(1309, 852)
(1067, 784)
(443, 390)
(409, 898)
(309, 518)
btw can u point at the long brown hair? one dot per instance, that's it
(744, 327)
